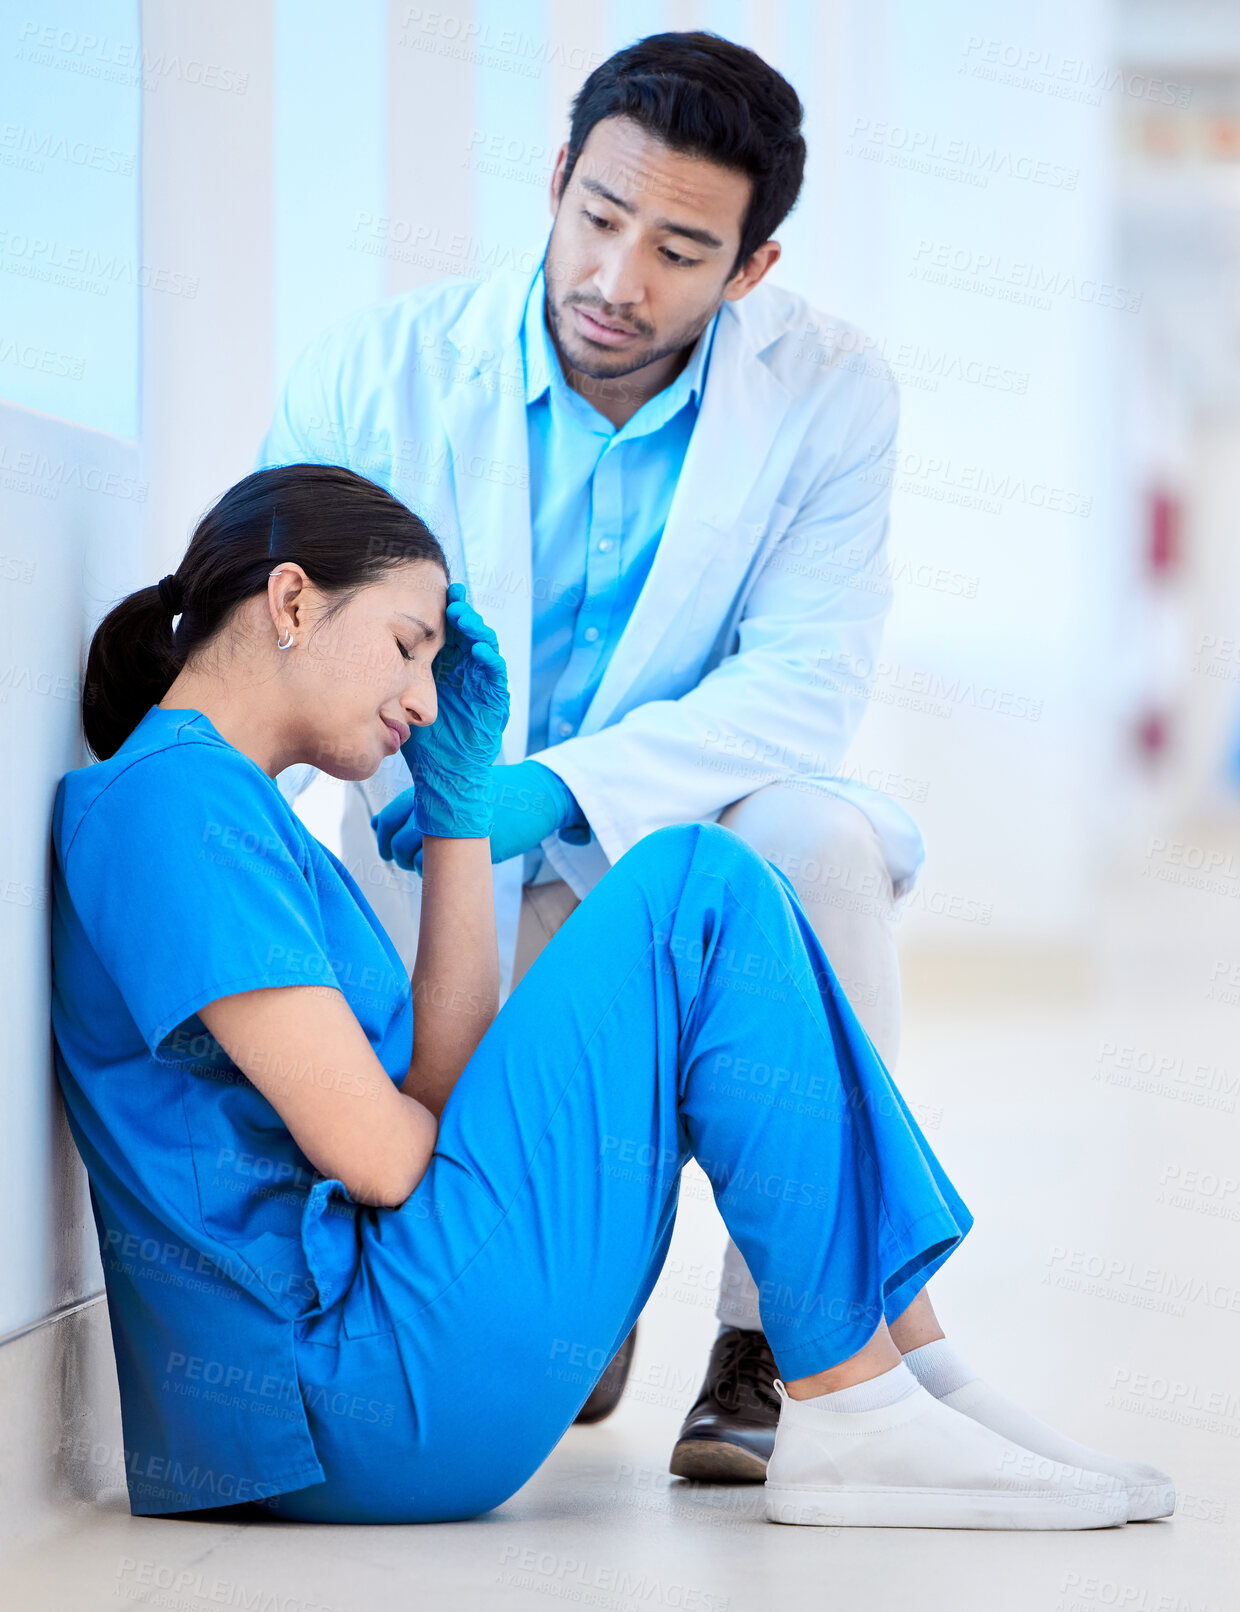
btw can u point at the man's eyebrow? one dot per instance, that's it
(702, 236)
(427, 631)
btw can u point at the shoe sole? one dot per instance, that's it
(712, 1461)
(940, 1508)
(1149, 1501)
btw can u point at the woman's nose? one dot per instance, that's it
(421, 704)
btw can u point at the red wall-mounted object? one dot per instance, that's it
(1162, 532)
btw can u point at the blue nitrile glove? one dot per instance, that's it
(529, 801)
(450, 761)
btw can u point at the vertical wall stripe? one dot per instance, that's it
(631, 20)
(429, 231)
(71, 268)
(794, 47)
(512, 76)
(329, 161)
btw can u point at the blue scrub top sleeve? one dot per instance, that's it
(191, 880)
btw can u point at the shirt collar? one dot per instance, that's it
(542, 362)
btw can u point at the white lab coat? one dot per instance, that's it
(750, 652)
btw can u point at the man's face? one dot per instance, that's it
(641, 251)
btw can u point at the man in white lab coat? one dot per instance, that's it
(665, 483)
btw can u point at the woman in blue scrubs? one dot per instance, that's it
(368, 1243)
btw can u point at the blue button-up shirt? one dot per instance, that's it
(599, 499)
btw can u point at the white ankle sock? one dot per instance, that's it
(886, 1389)
(938, 1368)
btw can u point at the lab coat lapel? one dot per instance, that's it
(740, 415)
(485, 422)
(483, 414)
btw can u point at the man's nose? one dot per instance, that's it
(617, 279)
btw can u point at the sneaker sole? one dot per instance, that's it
(940, 1508)
(712, 1461)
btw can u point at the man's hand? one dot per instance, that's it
(528, 802)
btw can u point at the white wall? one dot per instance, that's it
(954, 197)
(71, 514)
(71, 517)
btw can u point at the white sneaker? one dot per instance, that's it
(1151, 1493)
(920, 1464)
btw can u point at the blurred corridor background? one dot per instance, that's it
(1034, 216)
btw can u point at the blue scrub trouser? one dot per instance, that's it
(685, 1008)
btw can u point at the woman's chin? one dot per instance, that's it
(354, 768)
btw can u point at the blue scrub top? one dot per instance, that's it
(180, 875)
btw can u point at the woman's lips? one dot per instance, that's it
(398, 738)
(601, 333)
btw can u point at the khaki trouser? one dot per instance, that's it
(830, 853)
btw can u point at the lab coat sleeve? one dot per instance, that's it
(788, 698)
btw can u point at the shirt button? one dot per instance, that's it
(604, 543)
(563, 729)
(591, 634)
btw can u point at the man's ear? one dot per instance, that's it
(557, 178)
(761, 259)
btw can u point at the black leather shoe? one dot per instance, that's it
(728, 1435)
(605, 1395)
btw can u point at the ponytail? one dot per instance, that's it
(343, 530)
(134, 660)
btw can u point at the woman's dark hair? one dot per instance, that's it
(343, 530)
(701, 94)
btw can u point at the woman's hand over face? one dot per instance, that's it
(450, 760)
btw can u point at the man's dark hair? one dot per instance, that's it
(701, 94)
